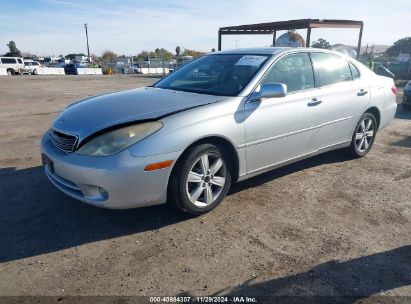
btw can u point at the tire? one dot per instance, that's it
(11, 72)
(194, 186)
(364, 136)
(34, 72)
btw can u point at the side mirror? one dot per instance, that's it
(269, 90)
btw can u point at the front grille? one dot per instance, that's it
(64, 142)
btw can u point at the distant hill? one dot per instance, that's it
(378, 48)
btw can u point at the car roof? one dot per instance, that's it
(255, 51)
(275, 50)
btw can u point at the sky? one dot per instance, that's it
(54, 27)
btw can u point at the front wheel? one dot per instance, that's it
(364, 135)
(201, 180)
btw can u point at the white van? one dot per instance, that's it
(13, 65)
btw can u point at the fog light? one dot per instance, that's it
(103, 193)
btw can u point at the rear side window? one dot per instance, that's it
(8, 60)
(330, 69)
(294, 70)
(354, 71)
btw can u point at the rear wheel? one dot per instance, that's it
(35, 72)
(201, 181)
(364, 135)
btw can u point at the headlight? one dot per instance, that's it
(117, 140)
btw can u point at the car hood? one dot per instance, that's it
(94, 114)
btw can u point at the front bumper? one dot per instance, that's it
(118, 181)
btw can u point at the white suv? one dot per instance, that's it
(13, 65)
(31, 66)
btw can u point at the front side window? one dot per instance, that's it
(293, 70)
(330, 69)
(224, 75)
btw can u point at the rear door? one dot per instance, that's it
(343, 97)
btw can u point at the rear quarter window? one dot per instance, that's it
(354, 71)
(8, 60)
(330, 69)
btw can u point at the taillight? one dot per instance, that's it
(394, 89)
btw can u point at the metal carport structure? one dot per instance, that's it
(273, 27)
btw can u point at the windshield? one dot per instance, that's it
(224, 75)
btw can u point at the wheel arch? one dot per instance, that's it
(219, 141)
(376, 113)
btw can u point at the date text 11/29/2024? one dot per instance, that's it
(206, 299)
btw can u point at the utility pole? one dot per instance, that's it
(236, 42)
(88, 49)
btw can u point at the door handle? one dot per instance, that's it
(314, 102)
(362, 92)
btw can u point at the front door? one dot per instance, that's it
(281, 129)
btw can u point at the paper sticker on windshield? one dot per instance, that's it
(251, 60)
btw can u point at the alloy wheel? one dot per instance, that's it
(365, 135)
(206, 179)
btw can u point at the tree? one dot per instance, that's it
(94, 58)
(158, 53)
(14, 51)
(178, 50)
(213, 50)
(401, 46)
(321, 44)
(143, 55)
(166, 54)
(108, 56)
(194, 53)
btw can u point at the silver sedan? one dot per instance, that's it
(222, 118)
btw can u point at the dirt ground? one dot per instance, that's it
(329, 225)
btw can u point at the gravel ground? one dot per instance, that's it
(328, 225)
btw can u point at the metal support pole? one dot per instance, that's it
(88, 49)
(307, 40)
(219, 40)
(274, 37)
(359, 41)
